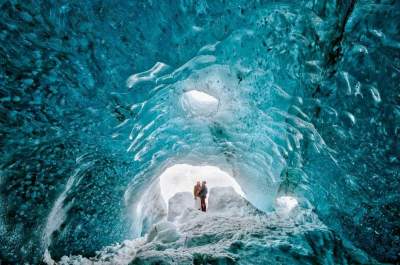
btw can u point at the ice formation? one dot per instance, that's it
(297, 102)
(232, 231)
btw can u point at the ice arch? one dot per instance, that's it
(153, 204)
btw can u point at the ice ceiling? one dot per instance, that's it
(98, 98)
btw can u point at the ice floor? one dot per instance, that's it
(232, 231)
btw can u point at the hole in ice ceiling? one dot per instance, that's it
(199, 103)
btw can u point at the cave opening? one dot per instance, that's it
(177, 182)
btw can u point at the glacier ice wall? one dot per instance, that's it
(91, 112)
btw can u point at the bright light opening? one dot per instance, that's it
(179, 178)
(183, 177)
(199, 103)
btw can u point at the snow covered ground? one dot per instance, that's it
(231, 232)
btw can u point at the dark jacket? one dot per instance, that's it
(203, 192)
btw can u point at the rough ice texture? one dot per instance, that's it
(232, 232)
(90, 113)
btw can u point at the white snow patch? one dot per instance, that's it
(286, 203)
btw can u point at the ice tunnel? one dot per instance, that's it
(111, 111)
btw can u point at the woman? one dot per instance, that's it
(196, 194)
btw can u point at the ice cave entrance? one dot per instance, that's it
(199, 103)
(182, 178)
(177, 180)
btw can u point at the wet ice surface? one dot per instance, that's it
(232, 231)
(91, 113)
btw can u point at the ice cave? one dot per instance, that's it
(286, 113)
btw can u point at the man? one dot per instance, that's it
(203, 196)
(196, 195)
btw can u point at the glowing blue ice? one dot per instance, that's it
(294, 99)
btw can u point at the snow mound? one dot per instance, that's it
(226, 200)
(178, 204)
(231, 232)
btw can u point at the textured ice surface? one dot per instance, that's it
(91, 114)
(231, 232)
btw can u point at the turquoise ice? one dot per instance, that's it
(297, 101)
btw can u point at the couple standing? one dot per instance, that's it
(200, 195)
